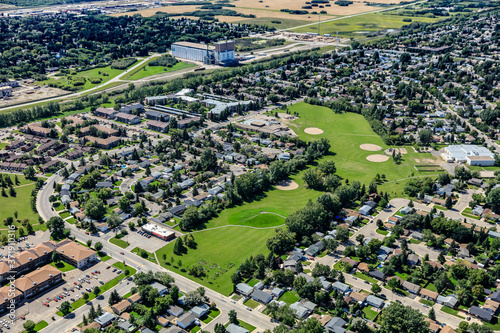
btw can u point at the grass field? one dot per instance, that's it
(39, 326)
(251, 303)
(451, 311)
(346, 133)
(369, 313)
(92, 73)
(146, 71)
(62, 266)
(268, 21)
(119, 242)
(220, 252)
(289, 297)
(358, 26)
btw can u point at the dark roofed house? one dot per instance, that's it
(377, 275)
(483, 314)
(261, 296)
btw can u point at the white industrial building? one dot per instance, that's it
(470, 154)
(221, 53)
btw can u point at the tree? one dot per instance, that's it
(89, 242)
(56, 257)
(29, 326)
(448, 203)
(95, 208)
(360, 238)
(432, 314)
(233, 317)
(65, 307)
(313, 179)
(342, 234)
(98, 246)
(29, 173)
(376, 288)
(359, 325)
(281, 242)
(493, 199)
(425, 136)
(397, 318)
(96, 290)
(56, 225)
(86, 297)
(219, 328)
(179, 246)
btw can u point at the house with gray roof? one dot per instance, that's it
(233, 328)
(483, 314)
(261, 296)
(342, 287)
(335, 325)
(244, 289)
(300, 311)
(374, 301)
(450, 300)
(105, 319)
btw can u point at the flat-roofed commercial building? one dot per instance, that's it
(158, 231)
(221, 53)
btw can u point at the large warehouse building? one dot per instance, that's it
(470, 154)
(220, 54)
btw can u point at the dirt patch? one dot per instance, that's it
(29, 94)
(377, 158)
(287, 116)
(402, 151)
(417, 160)
(313, 131)
(370, 147)
(287, 185)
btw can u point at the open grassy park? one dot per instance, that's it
(145, 71)
(220, 252)
(346, 133)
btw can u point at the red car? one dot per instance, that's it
(87, 233)
(92, 273)
(98, 272)
(75, 283)
(55, 299)
(122, 253)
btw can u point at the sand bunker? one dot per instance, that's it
(287, 185)
(370, 147)
(377, 158)
(313, 130)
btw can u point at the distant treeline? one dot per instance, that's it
(295, 11)
(26, 3)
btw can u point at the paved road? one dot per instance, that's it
(257, 319)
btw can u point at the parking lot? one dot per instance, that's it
(26, 242)
(45, 304)
(144, 241)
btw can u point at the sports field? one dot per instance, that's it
(219, 252)
(346, 133)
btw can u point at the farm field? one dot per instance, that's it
(346, 133)
(219, 252)
(266, 11)
(154, 70)
(357, 26)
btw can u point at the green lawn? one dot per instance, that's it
(220, 252)
(290, 297)
(21, 179)
(273, 201)
(369, 313)
(431, 287)
(451, 311)
(247, 326)
(62, 266)
(352, 26)
(346, 133)
(39, 326)
(365, 277)
(415, 241)
(119, 242)
(64, 214)
(153, 70)
(19, 203)
(427, 302)
(382, 231)
(251, 303)
(151, 256)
